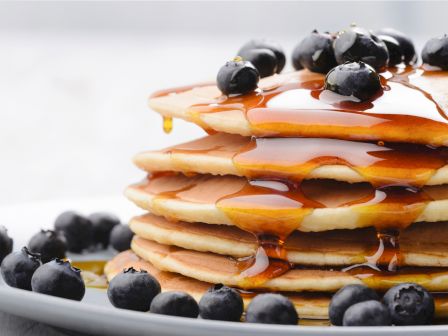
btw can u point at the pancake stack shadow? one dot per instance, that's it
(291, 194)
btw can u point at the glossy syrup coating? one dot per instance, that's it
(267, 44)
(264, 60)
(315, 53)
(406, 44)
(237, 77)
(358, 44)
(393, 47)
(354, 80)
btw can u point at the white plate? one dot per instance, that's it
(95, 315)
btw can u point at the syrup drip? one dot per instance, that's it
(167, 124)
(380, 164)
(301, 107)
(273, 209)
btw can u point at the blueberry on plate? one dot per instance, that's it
(264, 60)
(221, 303)
(315, 53)
(435, 52)
(355, 79)
(59, 278)
(18, 268)
(121, 237)
(367, 313)
(5, 243)
(103, 223)
(175, 304)
(76, 228)
(49, 244)
(406, 44)
(133, 290)
(409, 304)
(237, 77)
(358, 44)
(348, 296)
(267, 44)
(271, 309)
(393, 47)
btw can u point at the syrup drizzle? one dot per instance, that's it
(303, 108)
(271, 208)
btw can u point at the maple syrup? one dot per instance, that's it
(272, 205)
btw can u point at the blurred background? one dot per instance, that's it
(75, 77)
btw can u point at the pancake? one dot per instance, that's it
(422, 244)
(302, 158)
(271, 207)
(308, 305)
(214, 268)
(294, 105)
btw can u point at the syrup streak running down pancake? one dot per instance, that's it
(272, 210)
(298, 105)
(294, 105)
(304, 158)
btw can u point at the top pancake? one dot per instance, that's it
(303, 158)
(411, 109)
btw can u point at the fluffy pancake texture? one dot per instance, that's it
(219, 154)
(198, 195)
(308, 305)
(214, 268)
(422, 244)
(369, 126)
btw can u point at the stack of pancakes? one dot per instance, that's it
(297, 191)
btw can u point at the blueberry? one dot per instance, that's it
(263, 60)
(103, 223)
(271, 309)
(315, 53)
(133, 290)
(5, 243)
(367, 313)
(435, 52)
(355, 79)
(59, 278)
(409, 304)
(357, 44)
(267, 44)
(121, 237)
(237, 77)
(49, 244)
(76, 228)
(406, 44)
(221, 303)
(394, 49)
(346, 297)
(18, 268)
(175, 304)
